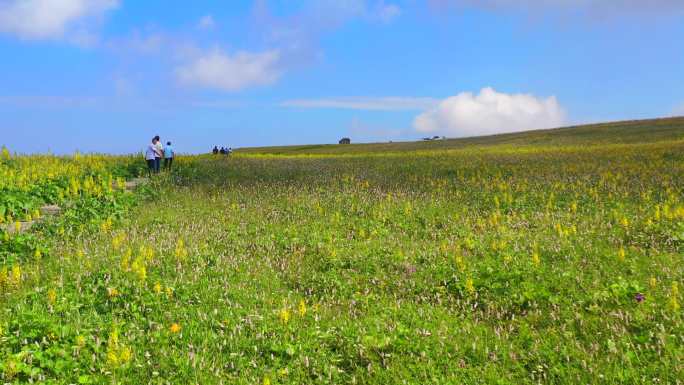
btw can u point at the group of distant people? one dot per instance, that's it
(155, 152)
(222, 151)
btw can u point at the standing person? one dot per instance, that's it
(150, 155)
(215, 150)
(169, 154)
(159, 149)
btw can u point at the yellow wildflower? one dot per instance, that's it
(112, 292)
(284, 315)
(674, 297)
(267, 381)
(621, 255)
(470, 286)
(653, 282)
(118, 240)
(113, 348)
(114, 337)
(535, 258)
(624, 222)
(174, 328)
(112, 358)
(460, 264)
(125, 355)
(125, 262)
(181, 252)
(157, 288)
(302, 308)
(52, 296)
(15, 278)
(142, 273)
(148, 253)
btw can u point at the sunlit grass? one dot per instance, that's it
(482, 265)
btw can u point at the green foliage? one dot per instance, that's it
(539, 264)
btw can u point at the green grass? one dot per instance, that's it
(638, 131)
(487, 264)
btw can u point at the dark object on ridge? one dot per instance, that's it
(345, 141)
(215, 150)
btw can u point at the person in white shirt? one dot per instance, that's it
(150, 156)
(159, 149)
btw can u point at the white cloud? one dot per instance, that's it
(219, 70)
(390, 103)
(490, 112)
(206, 22)
(52, 19)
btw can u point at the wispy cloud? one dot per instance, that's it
(219, 70)
(387, 13)
(297, 35)
(389, 103)
(69, 20)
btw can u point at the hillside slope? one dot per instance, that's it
(635, 131)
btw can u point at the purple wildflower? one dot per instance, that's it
(639, 297)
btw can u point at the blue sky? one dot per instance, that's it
(107, 75)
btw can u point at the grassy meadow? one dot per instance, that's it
(532, 258)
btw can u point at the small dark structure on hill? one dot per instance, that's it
(345, 141)
(435, 138)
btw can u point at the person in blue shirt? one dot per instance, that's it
(169, 154)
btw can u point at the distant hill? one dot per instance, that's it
(633, 131)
